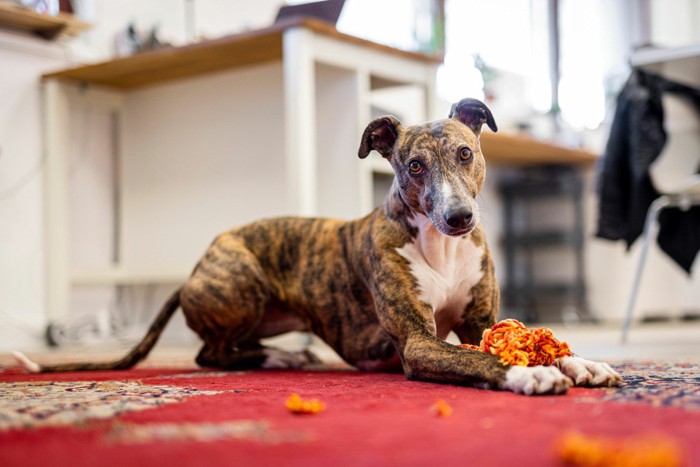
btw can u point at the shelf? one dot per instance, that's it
(237, 50)
(517, 150)
(680, 64)
(46, 26)
(117, 276)
(649, 57)
(520, 150)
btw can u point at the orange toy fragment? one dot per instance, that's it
(648, 450)
(442, 408)
(518, 345)
(296, 404)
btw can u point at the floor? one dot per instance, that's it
(675, 340)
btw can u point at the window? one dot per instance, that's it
(511, 38)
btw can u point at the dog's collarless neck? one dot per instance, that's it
(396, 209)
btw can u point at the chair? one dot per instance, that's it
(683, 194)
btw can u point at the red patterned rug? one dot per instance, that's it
(182, 417)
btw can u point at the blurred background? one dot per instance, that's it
(138, 211)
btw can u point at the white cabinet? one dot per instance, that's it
(200, 138)
(23, 59)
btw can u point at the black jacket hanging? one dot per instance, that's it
(625, 189)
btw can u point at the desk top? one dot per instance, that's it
(514, 150)
(264, 45)
(237, 50)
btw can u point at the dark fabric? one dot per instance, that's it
(625, 188)
(680, 235)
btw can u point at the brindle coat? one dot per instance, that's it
(348, 282)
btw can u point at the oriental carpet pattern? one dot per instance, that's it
(195, 417)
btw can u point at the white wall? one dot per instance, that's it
(165, 179)
(675, 24)
(210, 18)
(22, 60)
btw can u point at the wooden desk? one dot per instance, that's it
(519, 150)
(213, 134)
(265, 45)
(238, 50)
(206, 136)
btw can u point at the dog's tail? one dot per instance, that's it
(137, 354)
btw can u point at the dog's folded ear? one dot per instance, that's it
(380, 135)
(474, 114)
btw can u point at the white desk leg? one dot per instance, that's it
(364, 116)
(431, 98)
(300, 120)
(56, 266)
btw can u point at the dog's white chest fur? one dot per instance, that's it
(446, 269)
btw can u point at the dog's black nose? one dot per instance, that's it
(458, 218)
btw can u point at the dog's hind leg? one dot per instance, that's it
(222, 355)
(224, 302)
(253, 356)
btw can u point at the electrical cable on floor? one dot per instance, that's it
(11, 320)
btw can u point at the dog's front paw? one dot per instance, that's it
(588, 373)
(536, 380)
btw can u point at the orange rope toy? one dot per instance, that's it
(642, 450)
(518, 345)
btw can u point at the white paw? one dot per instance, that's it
(588, 373)
(280, 359)
(536, 380)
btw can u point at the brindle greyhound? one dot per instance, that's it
(383, 291)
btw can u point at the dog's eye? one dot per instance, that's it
(415, 167)
(465, 154)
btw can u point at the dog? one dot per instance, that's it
(383, 291)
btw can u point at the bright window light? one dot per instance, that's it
(511, 36)
(581, 91)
